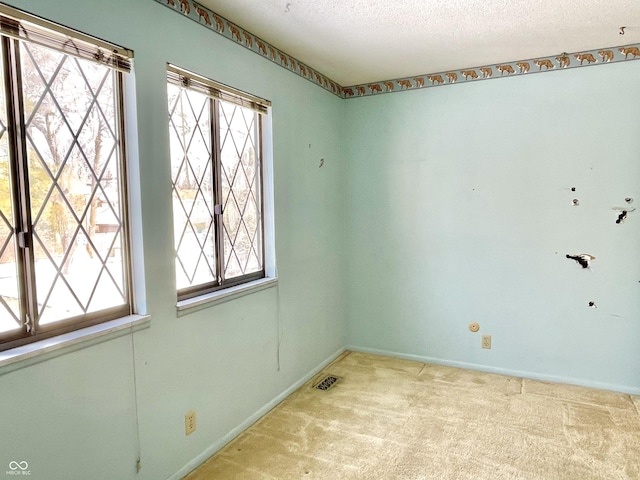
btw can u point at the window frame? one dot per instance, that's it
(217, 92)
(16, 27)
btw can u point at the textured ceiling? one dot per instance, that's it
(359, 41)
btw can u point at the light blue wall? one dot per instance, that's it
(73, 417)
(434, 208)
(460, 210)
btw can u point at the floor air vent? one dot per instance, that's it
(327, 382)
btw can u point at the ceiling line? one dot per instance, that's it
(561, 61)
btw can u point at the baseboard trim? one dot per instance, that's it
(214, 447)
(502, 371)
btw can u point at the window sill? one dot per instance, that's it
(69, 342)
(225, 295)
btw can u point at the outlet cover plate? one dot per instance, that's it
(189, 422)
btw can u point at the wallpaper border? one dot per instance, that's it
(237, 34)
(500, 70)
(561, 61)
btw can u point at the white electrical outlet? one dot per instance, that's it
(486, 341)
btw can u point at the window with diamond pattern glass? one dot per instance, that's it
(63, 232)
(217, 191)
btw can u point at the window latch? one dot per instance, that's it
(217, 209)
(28, 323)
(23, 240)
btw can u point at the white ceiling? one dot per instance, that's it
(359, 41)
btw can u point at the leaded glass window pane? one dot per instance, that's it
(216, 174)
(74, 178)
(240, 179)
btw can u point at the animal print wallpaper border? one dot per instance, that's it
(507, 69)
(237, 34)
(231, 31)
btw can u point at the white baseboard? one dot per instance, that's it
(214, 447)
(502, 371)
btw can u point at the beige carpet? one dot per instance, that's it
(397, 419)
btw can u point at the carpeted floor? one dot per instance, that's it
(402, 420)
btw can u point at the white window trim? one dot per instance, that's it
(48, 348)
(231, 293)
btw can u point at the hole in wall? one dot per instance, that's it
(624, 213)
(583, 259)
